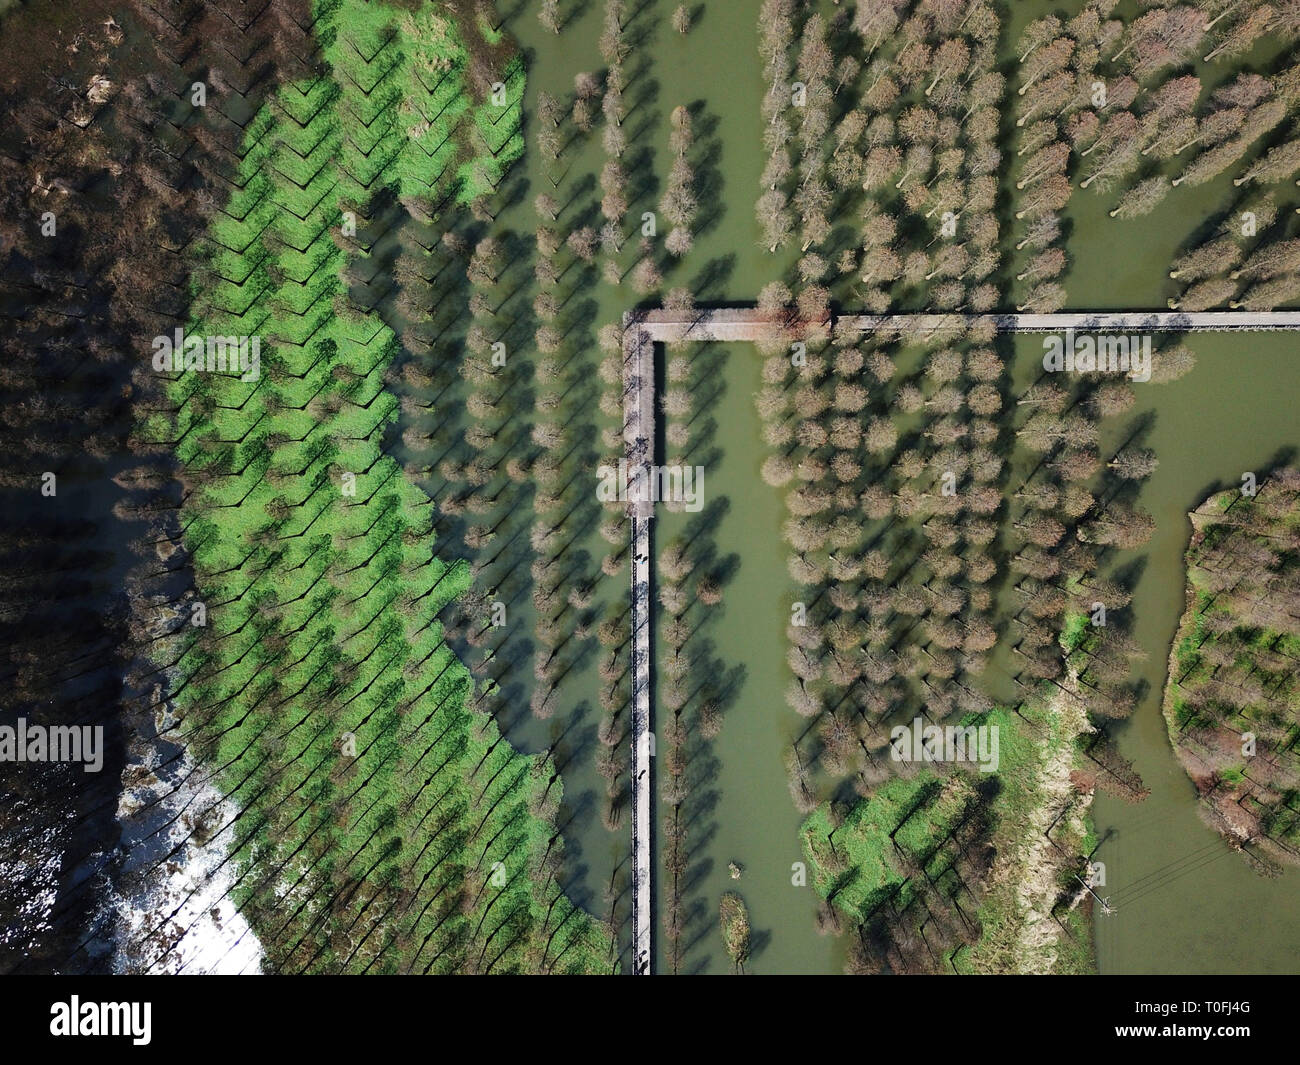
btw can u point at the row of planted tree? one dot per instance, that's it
(943, 520)
(516, 493)
(1123, 108)
(376, 815)
(641, 232)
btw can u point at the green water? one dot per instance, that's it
(1184, 902)
(749, 817)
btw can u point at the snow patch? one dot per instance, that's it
(174, 907)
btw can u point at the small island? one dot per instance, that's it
(1231, 700)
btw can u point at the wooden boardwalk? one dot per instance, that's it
(1087, 321)
(745, 324)
(641, 331)
(639, 452)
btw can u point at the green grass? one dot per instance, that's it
(858, 866)
(384, 823)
